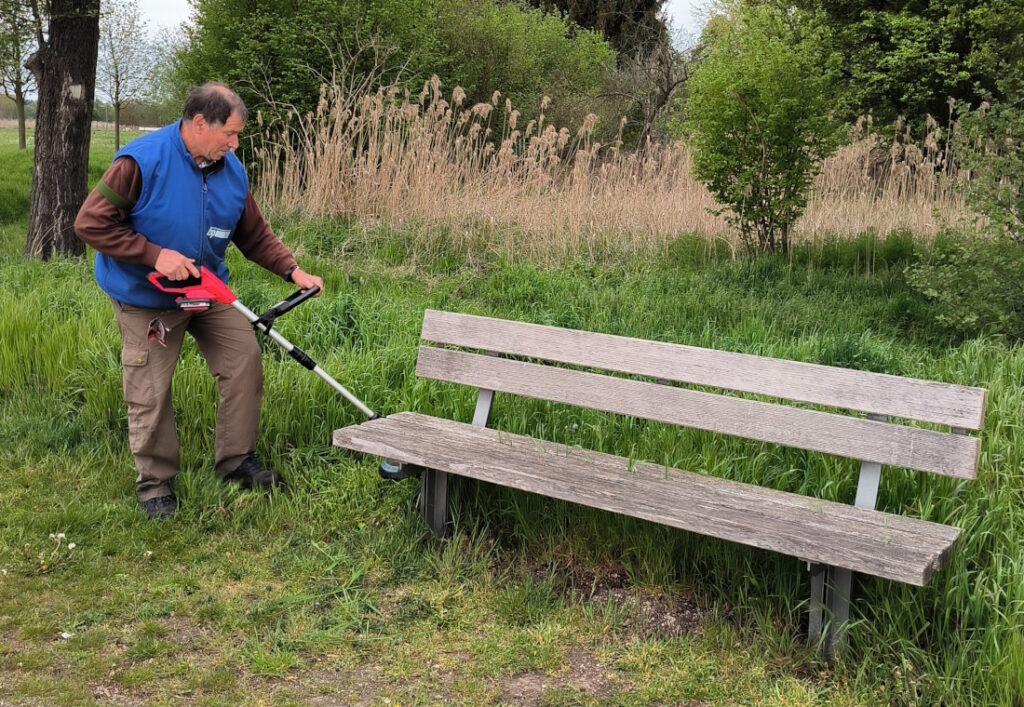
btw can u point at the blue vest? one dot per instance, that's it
(179, 209)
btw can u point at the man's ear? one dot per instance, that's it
(199, 121)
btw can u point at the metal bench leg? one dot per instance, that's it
(817, 606)
(435, 501)
(834, 587)
(830, 589)
(840, 582)
(435, 483)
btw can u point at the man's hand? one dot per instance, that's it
(175, 266)
(306, 281)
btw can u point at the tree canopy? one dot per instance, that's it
(909, 58)
(634, 27)
(288, 50)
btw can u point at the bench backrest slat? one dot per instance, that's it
(878, 393)
(856, 438)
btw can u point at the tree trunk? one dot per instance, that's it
(117, 127)
(65, 70)
(19, 101)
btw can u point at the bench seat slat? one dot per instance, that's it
(881, 544)
(878, 393)
(854, 438)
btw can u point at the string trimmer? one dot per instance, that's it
(198, 293)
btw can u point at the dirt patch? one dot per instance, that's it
(322, 687)
(651, 616)
(185, 632)
(647, 614)
(111, 695)
(577, 579)
(526, 688)
(585, 674)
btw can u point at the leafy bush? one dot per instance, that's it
(975, 283)
(287, 51)
(906, 59)
(525, 54)
(990, 143)
(761, 118)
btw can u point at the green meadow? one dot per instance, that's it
(334, 591)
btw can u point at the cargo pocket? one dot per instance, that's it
(138, 393)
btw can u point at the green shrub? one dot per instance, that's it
(287, 51)
(990, 144)
(524, 53)
(975, 282)
(761, 118)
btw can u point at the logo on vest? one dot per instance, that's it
(218, 233)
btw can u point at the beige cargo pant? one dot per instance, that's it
(228, 344)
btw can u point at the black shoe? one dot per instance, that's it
(250, 474)
(161, 507)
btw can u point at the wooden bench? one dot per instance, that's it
(835, 539)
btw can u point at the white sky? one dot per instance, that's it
(685, 14)
(164, 13)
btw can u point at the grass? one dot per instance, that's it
(335, 591)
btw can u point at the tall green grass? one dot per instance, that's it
(64, 452)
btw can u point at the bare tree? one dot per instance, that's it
(126, 57)
(649, 81)
(64, 66)
(17, 42)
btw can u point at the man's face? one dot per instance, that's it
(217, 139)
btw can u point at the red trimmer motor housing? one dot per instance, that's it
(197, 293)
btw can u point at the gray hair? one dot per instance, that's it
(215, 102)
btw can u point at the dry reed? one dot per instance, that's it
(394, 159)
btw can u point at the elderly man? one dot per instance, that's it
(172, 201)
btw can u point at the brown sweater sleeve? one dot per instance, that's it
(102, 221)
(257, 241)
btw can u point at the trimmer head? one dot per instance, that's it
(396, 471)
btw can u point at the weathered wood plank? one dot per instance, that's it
(881, 544)
(895, 396)
(856, 438)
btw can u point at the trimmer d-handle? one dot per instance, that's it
(198, 293)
